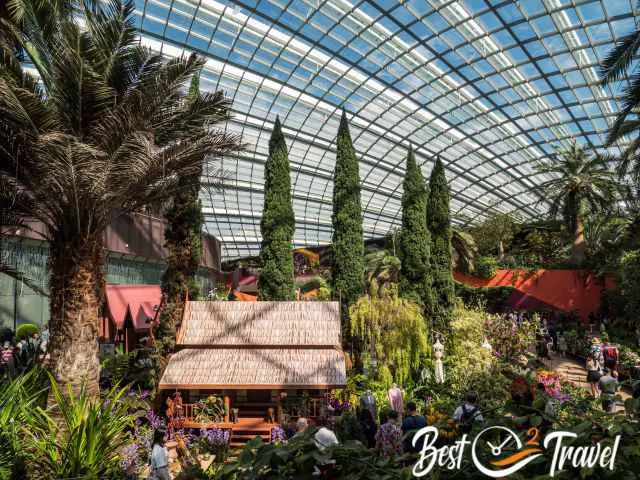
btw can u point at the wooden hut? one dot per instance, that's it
(130, 312)
(258, 356)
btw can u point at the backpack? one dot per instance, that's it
(467, 418)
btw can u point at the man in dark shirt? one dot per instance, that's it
(411, 424)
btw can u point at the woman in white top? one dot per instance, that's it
(159, 457)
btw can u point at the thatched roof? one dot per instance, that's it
(257, 345)
(261, 323)
(254, 368)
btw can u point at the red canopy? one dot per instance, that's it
(140, 301)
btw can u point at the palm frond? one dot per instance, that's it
(618, 60)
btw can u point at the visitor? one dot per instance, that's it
(411, 424)
(389, 437)
(6, 354)
(593, 374)
(608, 384)
(301, 426)
(636, 390)
(468, 413)
(324, 437)
(553, 331)
(610, 354)
(545, 403)
(562, 345)
(368, 427)
(290, 429)
(159, 457)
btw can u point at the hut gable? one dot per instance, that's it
(257, 345)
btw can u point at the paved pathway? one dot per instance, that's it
(574, 372)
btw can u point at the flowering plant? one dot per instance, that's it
(210, 409)
(278, 435)
(338, 406)
(213, 440)
(552, 385)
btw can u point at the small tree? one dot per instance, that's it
(495, 233)
(415, 237)
(392, 331)
(278, 223)
(439, 223)
(347, 265)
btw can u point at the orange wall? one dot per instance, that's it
(568, 290)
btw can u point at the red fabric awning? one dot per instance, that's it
(138, 300)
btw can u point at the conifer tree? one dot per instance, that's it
(415, 239)
(347, 267)
(439, 224)
(278, 223)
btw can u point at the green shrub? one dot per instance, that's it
(630, 283)
(25, 331)
(492, 299)
(485, 267)
(81, 437)
(300, 457)
(348, 428)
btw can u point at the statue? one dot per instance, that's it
(170, 418)
(438, 353)
(395, 398)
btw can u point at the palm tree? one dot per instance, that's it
(106, 130)
(381, 266)
(618, 65)
(581, 184)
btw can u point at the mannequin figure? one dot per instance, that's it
(438, 353)
(368, 402)
(395, 398)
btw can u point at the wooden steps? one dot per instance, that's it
(249, 428)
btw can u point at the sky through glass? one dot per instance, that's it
(491, 87)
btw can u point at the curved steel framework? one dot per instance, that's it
(490, 86)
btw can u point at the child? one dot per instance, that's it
(159, 457)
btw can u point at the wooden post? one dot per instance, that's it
(280, 410)
(227, 408)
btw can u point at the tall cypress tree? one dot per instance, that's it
(415, 239)
(277, 224)
(347, 266)
(439, 224)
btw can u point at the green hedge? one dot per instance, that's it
(485, 267)
(25, 331)
(492, 298)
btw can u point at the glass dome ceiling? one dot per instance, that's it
(491, 87)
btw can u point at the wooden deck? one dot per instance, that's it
(241, 432)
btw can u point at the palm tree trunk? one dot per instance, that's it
(500, 249)
(76, 287)
(578, 240)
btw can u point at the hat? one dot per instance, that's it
(325, 438)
